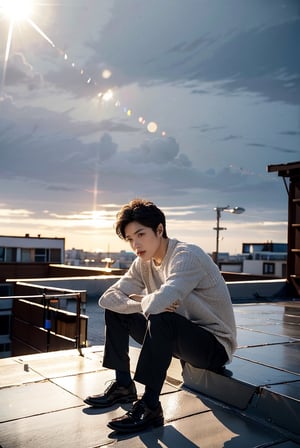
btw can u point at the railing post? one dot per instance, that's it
(46, 315)
(47, 318)
(78, 323)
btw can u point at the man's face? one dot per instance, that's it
(143, 240)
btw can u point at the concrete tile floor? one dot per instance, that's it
(50, 413)
(41, 396)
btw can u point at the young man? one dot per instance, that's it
(173, 300)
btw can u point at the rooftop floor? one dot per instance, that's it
(255, 404)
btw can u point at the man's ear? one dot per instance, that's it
(160, 229)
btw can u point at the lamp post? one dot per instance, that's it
(227, 208)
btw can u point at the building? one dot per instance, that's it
(118, 260)
(27, 252)
(266, 259)
(269, 259)
(28, 249)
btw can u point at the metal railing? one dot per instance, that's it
(48, 299)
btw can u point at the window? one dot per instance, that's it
(41, 255)
(283, 270)
(5, 350)
(10, 254)
(26, 256)
(55, 255)
(269, 268)
(4, 324)
(6, 289)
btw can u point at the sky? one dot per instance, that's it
(184, 103)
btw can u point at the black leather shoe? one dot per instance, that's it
(113, 394)
(140, 417)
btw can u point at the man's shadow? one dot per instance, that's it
(166, 436)
(152, 437)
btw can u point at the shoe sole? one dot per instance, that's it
(155, 423)
(128, 399)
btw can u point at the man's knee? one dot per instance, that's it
(160, 318)
(161, 323)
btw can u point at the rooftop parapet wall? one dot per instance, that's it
(93, 285)
(259, 290)
(240, 291)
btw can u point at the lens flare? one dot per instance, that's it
(21, 10)
(107, 96)
(16, 10)
(152, 127)
(106, 74)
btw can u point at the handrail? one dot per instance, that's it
(56, 288)
(41, 296)
(46, 296)
(52, 288)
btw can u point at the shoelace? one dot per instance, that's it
(112, 385)
(137, 410)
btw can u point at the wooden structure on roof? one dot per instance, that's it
(292, 171)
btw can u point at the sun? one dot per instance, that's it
(16, 10)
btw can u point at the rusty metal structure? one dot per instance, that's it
(290, 172)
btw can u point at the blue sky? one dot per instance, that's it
(82, 81)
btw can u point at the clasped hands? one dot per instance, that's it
(171, 308)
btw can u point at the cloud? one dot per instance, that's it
(231, 137)
(292, 133)
(20, 73)
(14, 213)
(70, 79)
(204, 71)
(158, 151)
(253, 49)
(286, 150)
(48, 152)
(276, 148)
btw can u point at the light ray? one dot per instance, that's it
(21, 10)
(7, 50)
(96, 186)
(95, 191)
(38, 29)
(16, 11)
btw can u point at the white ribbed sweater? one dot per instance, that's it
(187, 275)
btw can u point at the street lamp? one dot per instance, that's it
(235, 210)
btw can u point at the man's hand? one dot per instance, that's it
(136, 297)
(173, 307)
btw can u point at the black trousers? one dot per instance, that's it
(161, 336)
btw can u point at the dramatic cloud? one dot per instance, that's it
(202, 42)
(219, 81)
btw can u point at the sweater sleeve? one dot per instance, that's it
(184, 273)
(116, 297)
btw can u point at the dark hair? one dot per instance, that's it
(143, 211)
